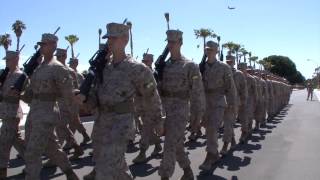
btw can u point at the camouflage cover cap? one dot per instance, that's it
(174, 35)
(242, 66)
(116, 30)
(230, 58)
(147, 56)
(11, 55)
(47, 37)
(212, 45)
(73, 60)
(60, 52)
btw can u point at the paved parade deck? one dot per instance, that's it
(288, 148)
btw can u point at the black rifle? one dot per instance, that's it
(28, 68)
(95, 71)
(202, 65)
(160, 64)
(3, 76)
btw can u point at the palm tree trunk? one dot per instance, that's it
(254, 64)
(18, 43)
(204, 44)
(250, 62)
(72, 52)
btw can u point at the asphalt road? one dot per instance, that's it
(288, 148)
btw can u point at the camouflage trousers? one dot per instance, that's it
(243, 118)
(110, 138)
(148, 135)
(213, 118)
(76, 125)
(63, 131)
(195, 122)
(250, 113)
(40, 139)
(177, 115)
(10, 136)
(270, 109)
(259, 114)
(229, 120)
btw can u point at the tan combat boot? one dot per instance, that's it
(141, 158)
(233, 144)
(209, 161)
(90, 176)
(187, 174)
(78, 151)
(49, 164)
(157, 149)
(224, 149)
(71, 175)
(3, 173)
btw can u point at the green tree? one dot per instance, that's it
(284, 67)
(17, 28)
(72, 39)
(5, 41)
(204, 33)
(253, 59)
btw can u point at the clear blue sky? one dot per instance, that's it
(264, 27)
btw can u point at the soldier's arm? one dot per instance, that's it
(64, 84)
(27, 94)
(197, 95)
(230, 87)
(146, 85)
(244, 90)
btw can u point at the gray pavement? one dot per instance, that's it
(287, 148)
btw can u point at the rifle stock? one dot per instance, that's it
(29, 67)
(4, 75)
(95, 71)
(160, 64)
(202, 64)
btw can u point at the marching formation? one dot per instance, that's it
(129, 97)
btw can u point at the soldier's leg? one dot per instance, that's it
(110, 162)
(228, 134)
(214, 120)
(8, 134)
(76, 124)
(37, 141)
(168, 162)
(19, 144)
(146, 135)
(56, 155)
(229, 120)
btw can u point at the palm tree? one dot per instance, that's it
(266, 64)
(236, 49)
(204, 33)
(5, 41)
(17, 28)
(72, 39)
(244, 53)
(230, 46)
(253, 59)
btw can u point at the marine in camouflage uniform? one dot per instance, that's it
(75, 123)
(148, 135)
(230, 115)
(62, 130)
(181, 85)
(123, 78)
(10, 113)
(49, 81)
(221, 95)
(247, 116)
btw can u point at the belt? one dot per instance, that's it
(11, 99)
(119, 108)
(177, 94)
(45, 96)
